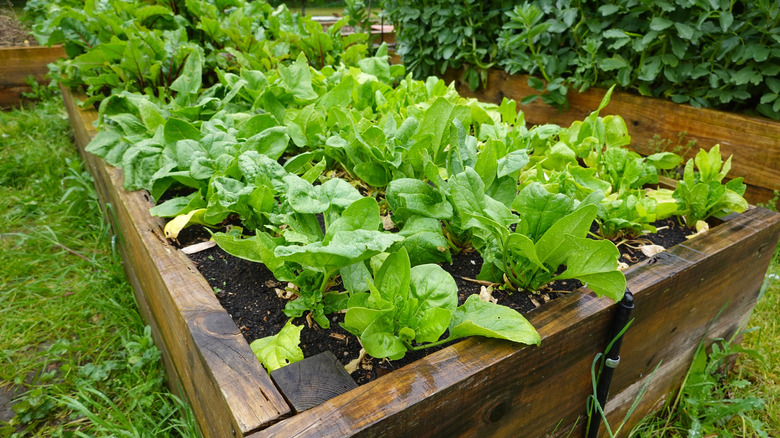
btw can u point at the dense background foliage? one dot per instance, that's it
(708, 53)
(435, 35)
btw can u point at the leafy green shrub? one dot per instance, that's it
(718, 53)
(435, 35)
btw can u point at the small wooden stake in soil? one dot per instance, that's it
(313, 381)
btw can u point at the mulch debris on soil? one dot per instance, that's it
(251, 295)
(13, 33)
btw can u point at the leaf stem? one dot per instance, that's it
(429, 345)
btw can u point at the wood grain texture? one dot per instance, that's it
(754, 141)
(17, 64)
(313, 381)
(230, 392)
(482, 387)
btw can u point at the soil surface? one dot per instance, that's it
(250, 294)
(13, 33)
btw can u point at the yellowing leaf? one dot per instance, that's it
(182, 221)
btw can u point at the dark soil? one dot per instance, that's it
(12, 33)
(248, 291)
(669, 233)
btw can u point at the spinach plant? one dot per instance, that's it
(352, 237)
(700, 194)
(411, 308)
(163, 49)
(548, 242)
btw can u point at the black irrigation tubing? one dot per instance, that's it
(611, 360)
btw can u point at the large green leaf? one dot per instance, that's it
(424, 241)
(595, 263)
(379, 340)
(512, 162)
(303, 197)
(539, 210)
(177, 129)
(553, 247)
(432, 286)
(258, 248)
(362, 214)
(431, 323)
(435, 123)
(479, 318)
(345, 248)
(179, 205)
(272, 142)
(407, 197)
(393, 278)
(297, 79)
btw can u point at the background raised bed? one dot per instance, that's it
(475, 387)
(19, 63)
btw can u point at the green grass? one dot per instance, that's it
(764, 375)
(72, 344)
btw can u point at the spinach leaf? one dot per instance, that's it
(411, 308)
(700, 195)
(280, 349)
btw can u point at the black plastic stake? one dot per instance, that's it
(611, 361)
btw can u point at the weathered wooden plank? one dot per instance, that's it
(483, 387)
(754, 141)
(17, 64)
(230, 392)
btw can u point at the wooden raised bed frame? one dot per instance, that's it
(477, 387)
(754, 141)
(17, 64)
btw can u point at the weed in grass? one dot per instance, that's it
(73, 350)
(708, 404)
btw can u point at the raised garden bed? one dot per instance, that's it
(21, 57)
(19, 63)
(704, 287)
(754, 141)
